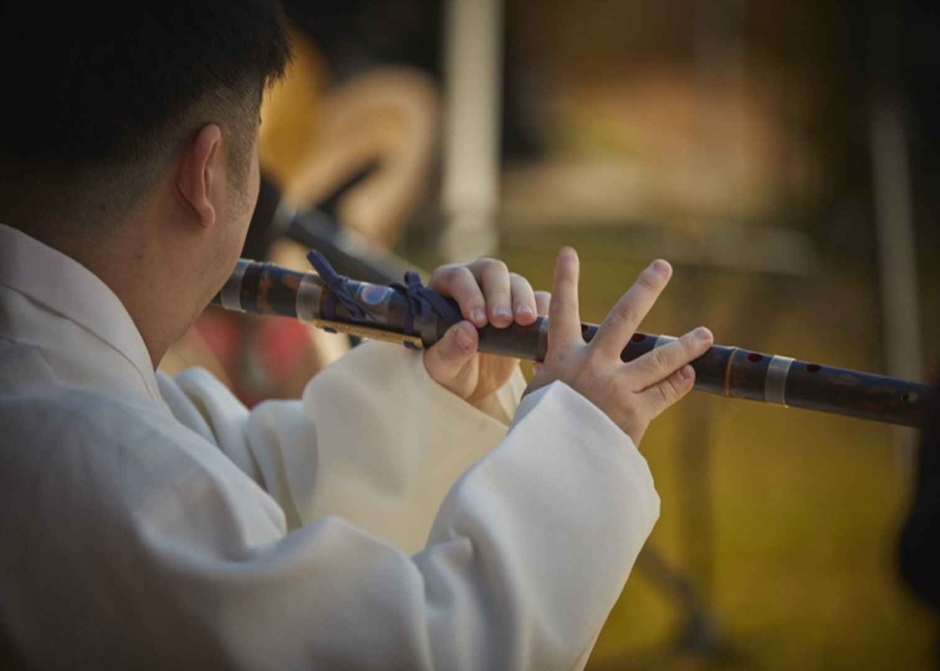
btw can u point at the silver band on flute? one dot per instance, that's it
(542, 349)
(231, 294)
(308, 298)
(775, 383)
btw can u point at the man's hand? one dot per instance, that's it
(487, 293)
(631, 394)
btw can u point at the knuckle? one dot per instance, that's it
(520, 283)
(445, 276)
(495, 267)
(447, 270)
(463, 273)
(659, 358)
(626, 314)
(648, 280)
(666, 393)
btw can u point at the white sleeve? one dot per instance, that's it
(526, 557)
(374, 439)
(178, 560)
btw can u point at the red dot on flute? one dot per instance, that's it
(813, 368)
(638, 337)
(754, 356)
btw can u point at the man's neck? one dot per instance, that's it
(130, 263)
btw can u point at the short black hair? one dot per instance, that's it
(90, 83)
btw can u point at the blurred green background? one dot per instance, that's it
(795, 554)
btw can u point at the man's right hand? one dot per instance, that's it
(631, 394)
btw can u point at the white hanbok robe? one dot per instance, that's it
(378, 523)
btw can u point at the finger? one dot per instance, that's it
(542, 300)
(623, 320)
(523, 300)
(564, 318)
(663, 361)
(446, 359)
(667, 392)
(459, 283)
(494, 277)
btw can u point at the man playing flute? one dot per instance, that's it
(407, 513)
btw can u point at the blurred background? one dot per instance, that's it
(783, 156)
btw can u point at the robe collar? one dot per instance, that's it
(64, 286)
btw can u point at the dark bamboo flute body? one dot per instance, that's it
(266, 288)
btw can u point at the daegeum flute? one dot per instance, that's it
(386, 313)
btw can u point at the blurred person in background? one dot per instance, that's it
(408, 512)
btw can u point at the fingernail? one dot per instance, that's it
(503, 311)
(703, 333)
(479, 315)
(524, 310)
(660, 266)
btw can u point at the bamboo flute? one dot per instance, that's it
(733, 372)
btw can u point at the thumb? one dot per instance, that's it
(445, 361)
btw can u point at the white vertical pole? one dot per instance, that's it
(894, 215)
(894, 220)
(470, 190)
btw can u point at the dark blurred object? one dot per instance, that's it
(919, 547)
(261, 232)
(355, 35)
(316, 229)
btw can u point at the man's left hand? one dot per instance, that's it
(487, 293)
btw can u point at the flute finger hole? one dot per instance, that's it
(813, 368)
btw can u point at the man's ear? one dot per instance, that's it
(200, 172)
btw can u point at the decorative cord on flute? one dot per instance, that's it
(417, 317)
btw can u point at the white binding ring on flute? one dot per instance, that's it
(775, 383)
(308, 298)
(231, 294)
